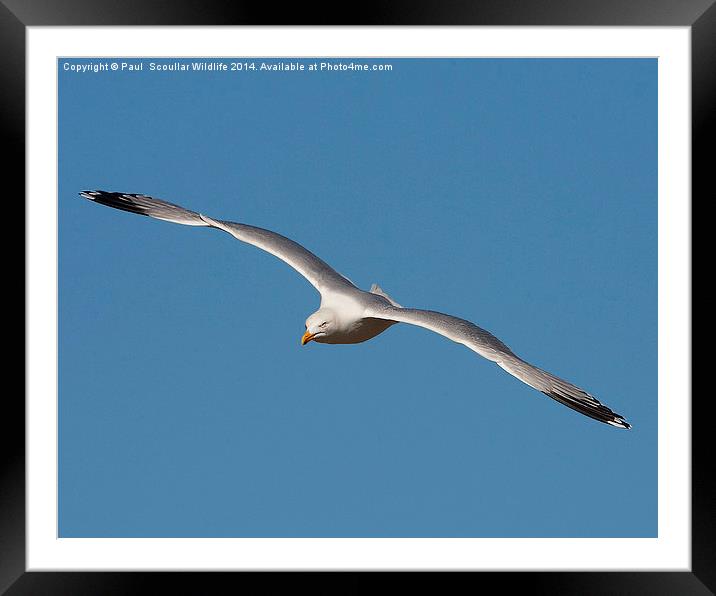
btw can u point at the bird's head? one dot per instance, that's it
(319, 325)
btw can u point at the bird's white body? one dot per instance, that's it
(349, 315)
(351, 312)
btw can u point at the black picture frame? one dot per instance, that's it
(17, 15)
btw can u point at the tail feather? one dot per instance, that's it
(376, 289)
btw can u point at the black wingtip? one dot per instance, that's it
(592, 408)
(118, 200)
(619, 422)
(95, 195)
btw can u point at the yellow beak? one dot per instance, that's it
(308, 336)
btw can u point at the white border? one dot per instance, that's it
(670, 551)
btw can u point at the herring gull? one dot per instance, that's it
(349, 315)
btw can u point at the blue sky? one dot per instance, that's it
(519, 194)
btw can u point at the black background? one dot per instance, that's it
(16, 15)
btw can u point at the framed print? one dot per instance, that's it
(529, 177)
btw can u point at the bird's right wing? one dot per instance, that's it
(488, 346)
(315, 270)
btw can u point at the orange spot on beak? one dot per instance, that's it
(308, 336)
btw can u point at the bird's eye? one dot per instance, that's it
(324, 324)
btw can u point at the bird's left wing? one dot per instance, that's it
(315, 270)
(488, 346)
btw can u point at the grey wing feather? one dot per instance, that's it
(487, 345)
(314, 269)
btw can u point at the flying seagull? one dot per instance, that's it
(349, 315)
